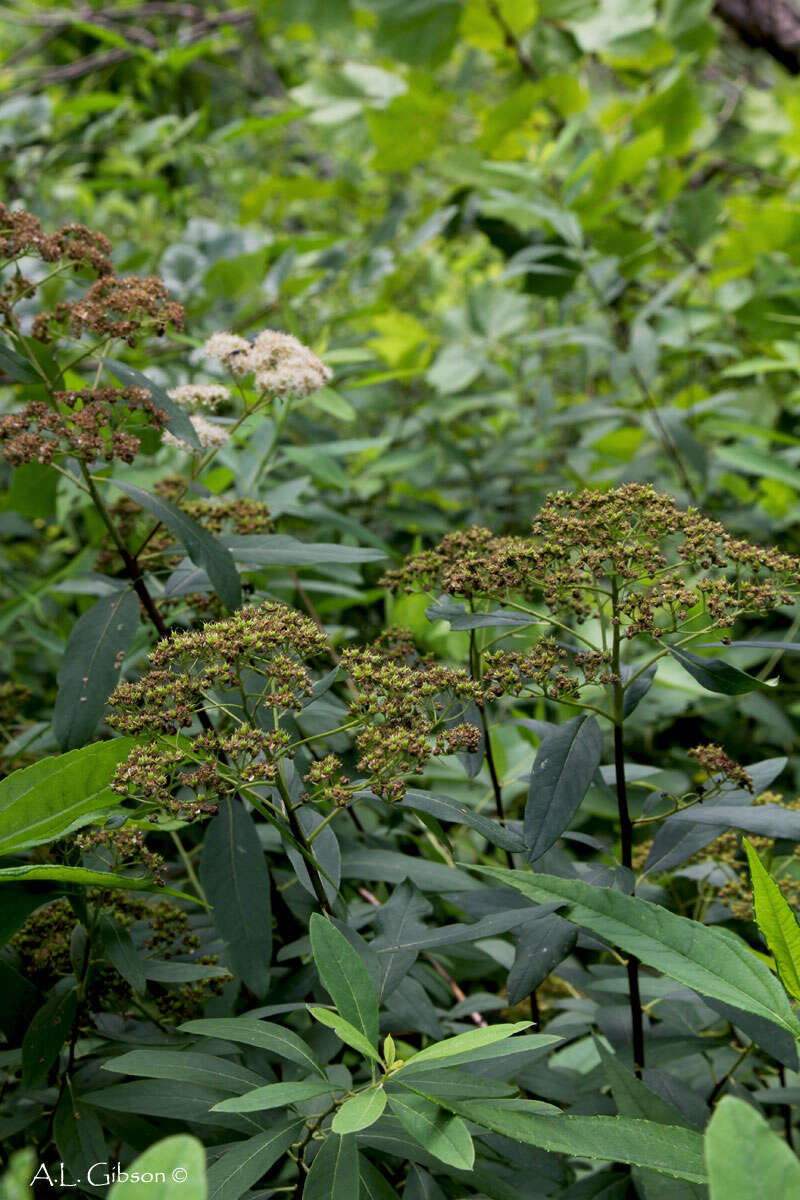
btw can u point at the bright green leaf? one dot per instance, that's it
(777, 922)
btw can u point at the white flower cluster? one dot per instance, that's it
(231, 350)
(208, 434)
(283, 366)
(199, 395)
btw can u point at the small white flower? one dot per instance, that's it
(208, 435)
(199, 395)
(231, 350)
(284, 366)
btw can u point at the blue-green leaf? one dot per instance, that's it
(90, 669)
(203, 549)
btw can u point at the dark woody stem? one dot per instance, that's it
(625, 825)
(299, 836)
(132, 568)
(134, 572)
(475, 672)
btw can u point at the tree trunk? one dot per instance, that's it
(770, 25)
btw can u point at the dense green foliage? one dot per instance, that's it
(398, 716)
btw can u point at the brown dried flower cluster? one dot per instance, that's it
(403, 713)
(152, 773)
(127, 847)
(21, 234)
(240, 515)
(716, 762)
(252, 754)
(87, 424)
(123, 307)
(544, 670)
(189, 785)
(408, 714)
(663, 563)
(19, 287)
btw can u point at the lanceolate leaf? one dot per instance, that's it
(762, 644)
(177, 420)
(345, 977)
(203, 549)
(17, 367)
(274, 1095)
(121, 952)
(91, 666)
(641, 682)
(247, 1031)
(32, 872)
(460, 618)
(767, 820)
(665, 1148)
(565, 763)
(184, 1067)
(462, 1043)
(712, 961)
(167, 971)
(230, 1176)
(346, 1032)
(334, 1173)
(374, 1185)
(544, 943)
(282, 550)
(236, 882)
(359, 1112)
(777, 922)
(57, 795)
(170, 1098)
(522, 1044)
(46, 1034)
(678, 840)
(77, 1132)
(715, 675)
(443, 1135)
(445, 809)
(746, 1158)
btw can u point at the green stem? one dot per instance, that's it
(267, 456)
(720, 1084)
(187, 863)
(197, 470)
(541, 619)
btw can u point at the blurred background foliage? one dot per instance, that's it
(542, 245)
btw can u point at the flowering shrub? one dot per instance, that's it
(383, 902)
